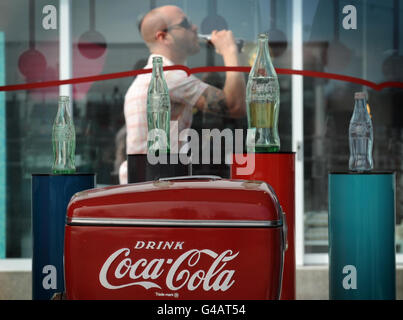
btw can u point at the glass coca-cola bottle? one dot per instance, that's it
(63, 139)
(360, 136)
(158, 111)
(263, 102)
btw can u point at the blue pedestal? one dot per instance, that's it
(50, 197)
(362, 236)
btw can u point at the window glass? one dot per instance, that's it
(372, 52)
(29, 53)
(98, 106)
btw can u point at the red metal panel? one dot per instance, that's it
(278, 170)
(172, 263)
(198, 199)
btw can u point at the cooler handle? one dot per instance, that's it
(200, 177)
(285, 232)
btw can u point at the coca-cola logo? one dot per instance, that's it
(268, 87)
(126, 267)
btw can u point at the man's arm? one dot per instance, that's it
(213, 100)
(230, 101)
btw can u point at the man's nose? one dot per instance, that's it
(194, 27)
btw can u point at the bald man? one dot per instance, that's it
(167, 32)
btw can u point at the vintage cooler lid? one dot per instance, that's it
(207, 201)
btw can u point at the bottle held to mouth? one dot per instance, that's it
(207, 38)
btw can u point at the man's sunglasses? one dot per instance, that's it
(185, 24)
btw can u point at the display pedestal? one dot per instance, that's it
(362, 236)
(277, 169)
(139, 169)
(50, 196)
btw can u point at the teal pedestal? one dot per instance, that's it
(362, 260)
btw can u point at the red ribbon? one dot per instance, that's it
(189, 71)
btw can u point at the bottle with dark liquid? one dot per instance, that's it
(263, 102)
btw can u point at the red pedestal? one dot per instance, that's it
(277, 169)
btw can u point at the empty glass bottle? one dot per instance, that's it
(263, 102)
(360, 136)
(63, 139)
(158, 110)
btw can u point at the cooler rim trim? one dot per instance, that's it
(81, 221)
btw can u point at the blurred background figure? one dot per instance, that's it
(167, 32)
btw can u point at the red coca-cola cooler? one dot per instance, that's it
(187, 238)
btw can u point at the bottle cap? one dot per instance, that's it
(360, 95)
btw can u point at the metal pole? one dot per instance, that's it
(3, 150)
(65, 49)
(298, 128)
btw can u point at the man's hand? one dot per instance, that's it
(231, 100)
(224, 42)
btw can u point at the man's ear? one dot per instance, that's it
(160, 35)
